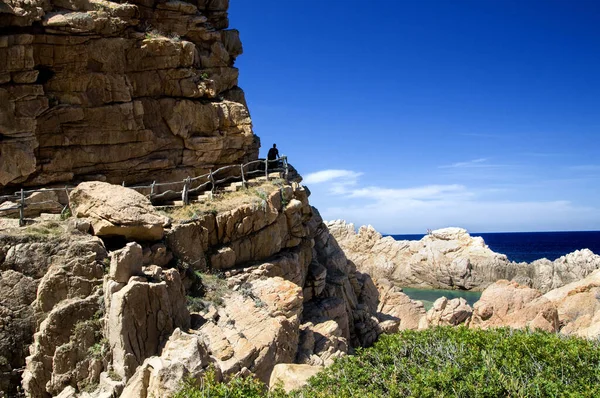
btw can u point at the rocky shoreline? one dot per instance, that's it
(450, 258)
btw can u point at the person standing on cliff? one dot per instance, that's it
(273, 155)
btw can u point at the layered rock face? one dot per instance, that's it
(118, 91)
(450, 258)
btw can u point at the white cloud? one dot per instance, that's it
(427, 192)
(414, 209)
(330, 175)
(471, 163)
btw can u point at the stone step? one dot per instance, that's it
(272, 176)
(234, 187)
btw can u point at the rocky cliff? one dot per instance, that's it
(130, 302)
(136, 90)
(450, 258)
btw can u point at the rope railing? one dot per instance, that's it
(188, 189)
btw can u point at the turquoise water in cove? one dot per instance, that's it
(428, 296)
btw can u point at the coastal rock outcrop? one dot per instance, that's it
(117, 211)
(397, 311)
(578, 306)
(114, 91)
(449, 312)
(450, 258)
(508, 304)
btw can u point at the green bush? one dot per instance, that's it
(448, 362)
(237, 387)
(458, 362)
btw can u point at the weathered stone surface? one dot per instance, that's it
(578, 306)
(291, 376)
(99, 74)
(548, 275)
(140, 318)
(17, 324)
(34, 277)
(51, 348)
(184, 357)
(117, 211)
(449, 312)
(35, 204)
(126, 263)
(397, 311)
(321, 344)
(450, 258)
(257, 329)
(509, 304)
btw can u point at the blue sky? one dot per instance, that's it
(409, 115)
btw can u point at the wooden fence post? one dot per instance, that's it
(212, 183)
(243, 179)
(152, 190)
(184, 193)
(267, 169)
(22, 210)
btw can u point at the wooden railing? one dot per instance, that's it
(188, 185)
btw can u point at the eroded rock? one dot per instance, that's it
(117, 211)
(508, 304)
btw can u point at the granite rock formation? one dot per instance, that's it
(259, 283)
(44, 278)
(113, 210)
(508, 304)
(117, 91)
(450, 258)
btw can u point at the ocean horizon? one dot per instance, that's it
(531, 246)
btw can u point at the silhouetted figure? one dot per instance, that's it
(273, 155)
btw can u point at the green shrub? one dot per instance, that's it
(237, 387)
(458, 362)
(447, 362)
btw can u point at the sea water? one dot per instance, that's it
(518, 247)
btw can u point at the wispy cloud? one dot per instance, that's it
(394, 209)
(481, 162)
(330, 175)
(422, 193)
(338, 181)
(585, 167)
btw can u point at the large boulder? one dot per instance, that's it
(449, 312)
(396, 311)
(117, 211)
(291, 376)
(578, 305)
(508, 304)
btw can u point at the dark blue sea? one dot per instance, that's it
(530, 246)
